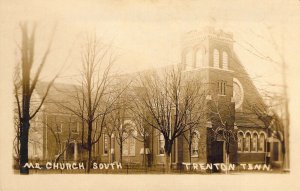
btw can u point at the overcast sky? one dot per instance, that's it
(147, 33)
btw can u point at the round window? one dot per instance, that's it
(238, 93)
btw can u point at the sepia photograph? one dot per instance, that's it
(149, 94)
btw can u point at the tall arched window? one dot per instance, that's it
(129, 145)
(240, 141)
(129, 138)
(161, 144)
(195, 144)
(189, 59)
(261, 146)
(225, 60)
(199, 58)
(247, 142)
(254, 142)
(216, 58)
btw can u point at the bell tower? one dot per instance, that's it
(208, 54)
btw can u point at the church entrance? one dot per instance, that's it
(217, 153)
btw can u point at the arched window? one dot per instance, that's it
(240, 141)
(129, 138)
(262, 140)
(161, 144)
(189, 59)
(254, 142)
(247, 142)
(199, 58)
(195, 144)
(129, 144)
(216, 58)
(225, 60)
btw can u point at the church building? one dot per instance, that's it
(209, 54)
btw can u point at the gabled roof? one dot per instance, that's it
(247, 120)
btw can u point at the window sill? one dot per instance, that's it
(222, 69)
(251, 152)
(246, 151)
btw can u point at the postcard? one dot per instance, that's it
(149, 95)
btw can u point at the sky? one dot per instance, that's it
(147, 34)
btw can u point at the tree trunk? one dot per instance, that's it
(284, 165)
(227, 162)
(18, 140)
(168, 163)
(144, 153)
(90, 126)
(168, 149)
(109, 151)
(121, 150)
(24, 131)
(24, 147)
(190, 155)
(227, 157)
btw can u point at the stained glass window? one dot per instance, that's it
(247, 142)
(262, 142)
(240, 141)
(195, 144)
(161, 144)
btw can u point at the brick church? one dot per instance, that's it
(208, 53)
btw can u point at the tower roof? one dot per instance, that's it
(196, 36)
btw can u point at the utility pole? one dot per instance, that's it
(286, 161)
(286, 116)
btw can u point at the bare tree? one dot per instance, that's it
(142, 133)
(62, 141)
(16, 141)
(279, 49)
(114, 123)
(118, 117)
(271, 120)
(93, 99)
(191, 136)
(223, 116)
(25, 85)
(277, 61)
(121, 132)
(109, 131)
(164, 103)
